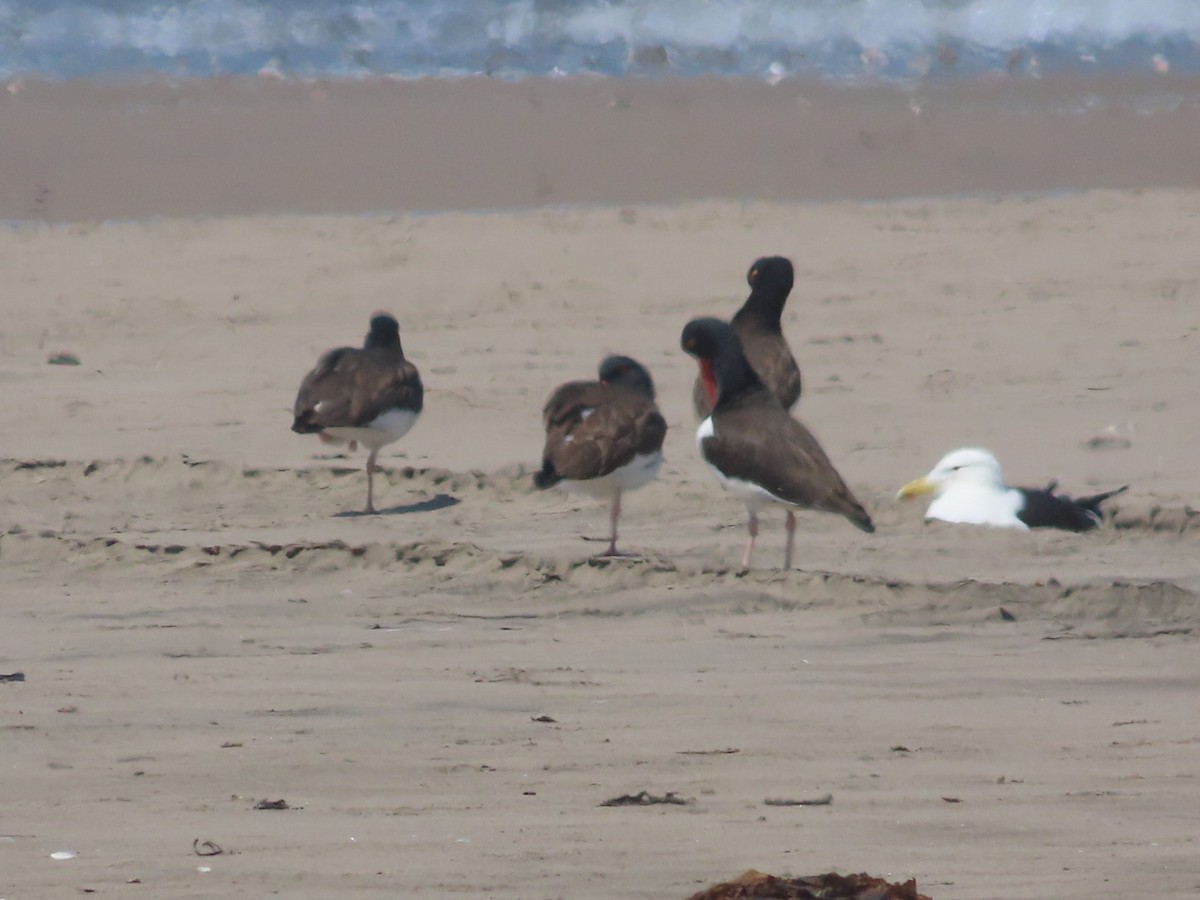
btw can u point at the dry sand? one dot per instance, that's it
(201, 630)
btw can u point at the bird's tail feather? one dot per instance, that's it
(848, 506)
(303, 424)
(1092, 503)
(861, 520)
(547, 477)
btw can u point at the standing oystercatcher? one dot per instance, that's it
(603, 437)
(371, 396)
(756, 450)
(757, 325)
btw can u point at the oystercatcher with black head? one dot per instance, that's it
(968, 488)
(371, 396)
(756, 450)
(758, 327)
(604, 437)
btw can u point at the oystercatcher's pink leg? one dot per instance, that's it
(752, 527)
(371, 467)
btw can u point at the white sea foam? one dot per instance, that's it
(833, 38)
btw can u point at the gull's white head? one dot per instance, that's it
(967, 466)
(968, 486)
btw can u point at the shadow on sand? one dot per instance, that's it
(440, 501)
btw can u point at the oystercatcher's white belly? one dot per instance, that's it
(382, 430)
(636, 473)
(755, 496)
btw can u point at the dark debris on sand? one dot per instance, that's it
(830, 886)
(645, 798)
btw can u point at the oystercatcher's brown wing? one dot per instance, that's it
(593, 429)
(771, 358)
(350, 388)
(758, 442)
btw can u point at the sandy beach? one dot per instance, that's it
(444, 694)
(101, 150)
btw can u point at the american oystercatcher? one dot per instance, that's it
(371, 396)
(603, 437)
(758, 327)
(756, 450)
(968, 488)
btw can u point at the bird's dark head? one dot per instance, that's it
(704, 338)
(770, 280)
(629, 373)
(384, 333)
(773, 272)
(724, 370)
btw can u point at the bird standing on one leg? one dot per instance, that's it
(603, 437)
(371, 396)
(760, 331)
(754, 447)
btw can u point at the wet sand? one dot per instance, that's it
(201, 626)
(246, 146)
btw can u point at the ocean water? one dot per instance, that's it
(842, 40)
